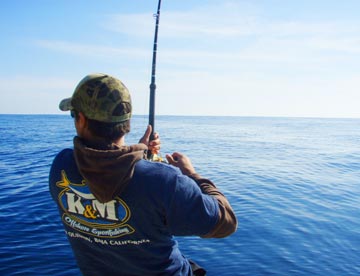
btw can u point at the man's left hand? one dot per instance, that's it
(153, 145)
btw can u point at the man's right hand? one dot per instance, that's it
(182, 162)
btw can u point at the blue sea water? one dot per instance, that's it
(294, 184)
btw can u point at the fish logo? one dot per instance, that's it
(65, 183)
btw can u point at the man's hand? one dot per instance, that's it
(154, 145)
(182, 162)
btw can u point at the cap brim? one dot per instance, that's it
(65, 105)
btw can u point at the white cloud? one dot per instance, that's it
(260, 65)
(350, 45)
(131, 24)
(204, 94)
(24, 83)
(206, 20)
(227, 19)
(34, 94)
(234, 32)
(237, 32)
(90, 50)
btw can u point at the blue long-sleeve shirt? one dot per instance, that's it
(132, 234)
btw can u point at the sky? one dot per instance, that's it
(217, 57)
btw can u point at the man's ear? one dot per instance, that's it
(82, 120)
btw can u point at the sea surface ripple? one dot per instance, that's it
(294, 184)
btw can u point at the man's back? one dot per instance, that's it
(133, 233)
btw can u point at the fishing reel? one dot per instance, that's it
(155, 157)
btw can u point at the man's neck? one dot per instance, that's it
(102, 144)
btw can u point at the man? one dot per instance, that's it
(120, 211)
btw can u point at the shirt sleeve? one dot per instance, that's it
(227, 222)
(190, 212)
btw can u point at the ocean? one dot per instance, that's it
(294, 184)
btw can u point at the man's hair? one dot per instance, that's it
(108, 132)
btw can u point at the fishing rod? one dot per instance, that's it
(153, 73)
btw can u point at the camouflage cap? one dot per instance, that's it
(100, 97)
